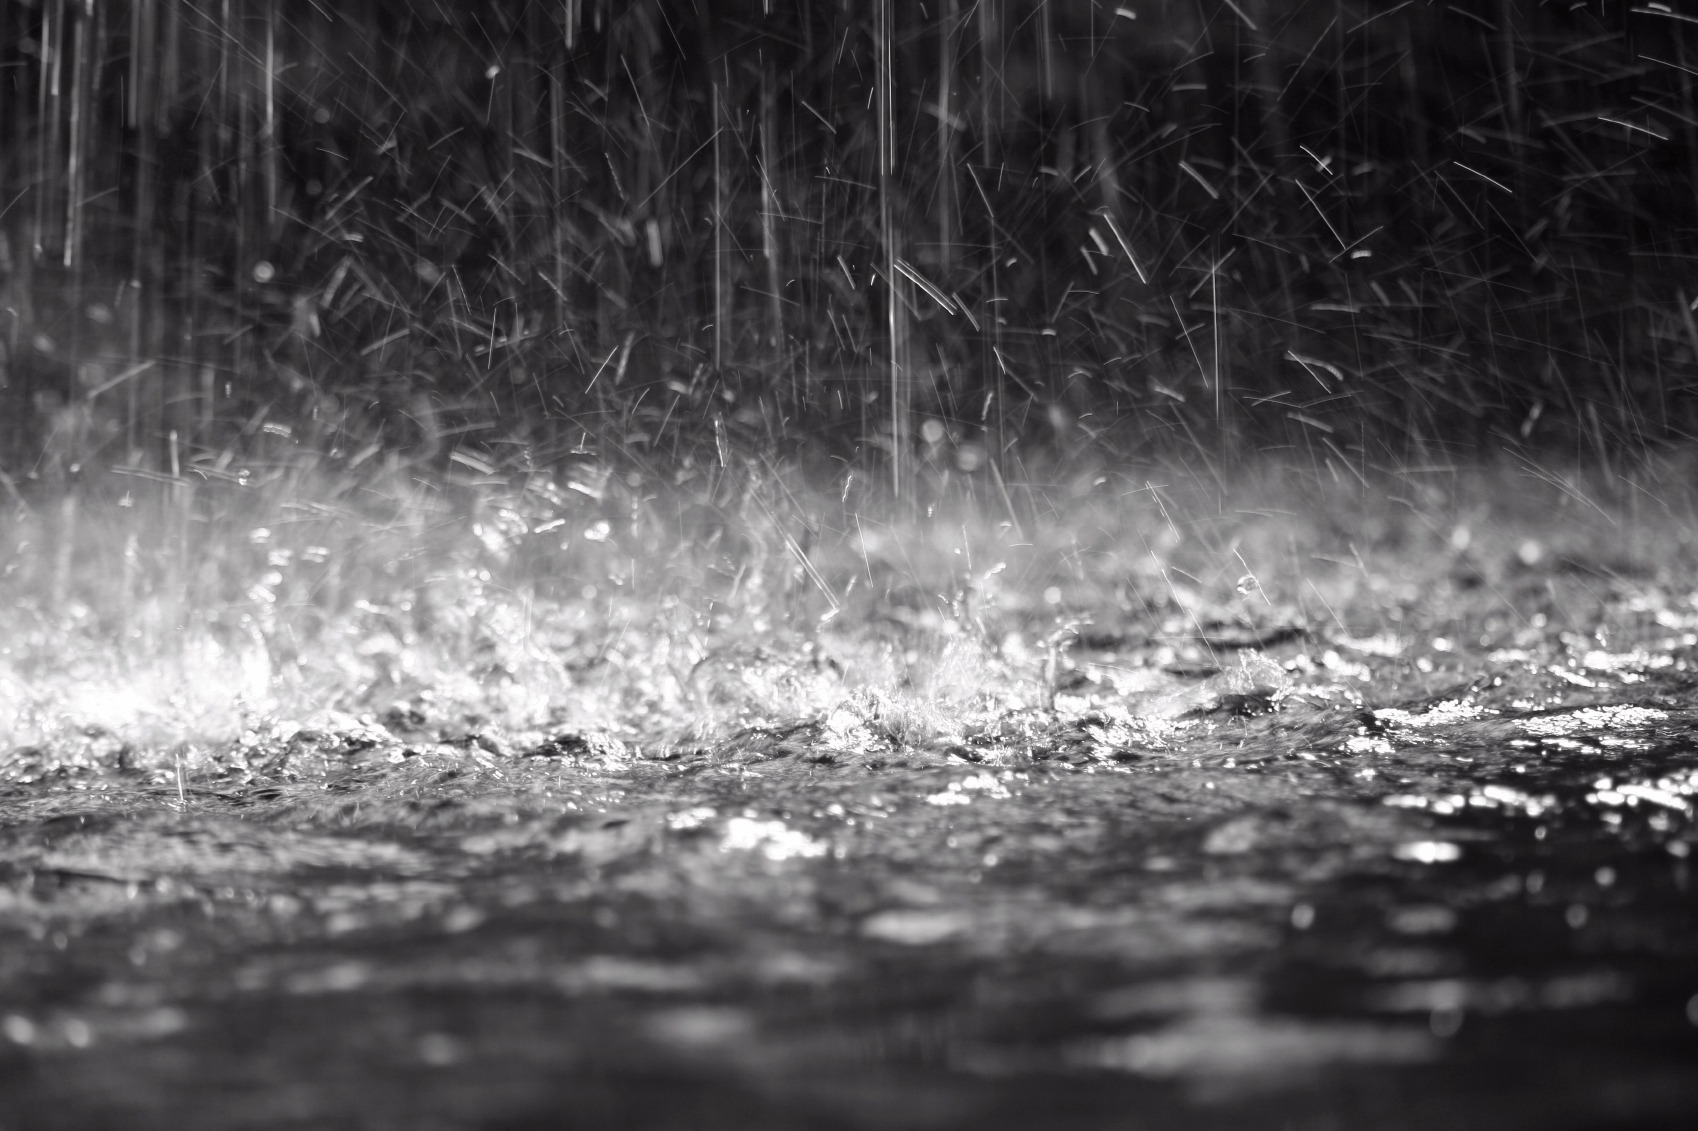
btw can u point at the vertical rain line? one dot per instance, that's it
(144, 47)
(82, 94)
(48, 117)
(769, 216)
(557, 163)
(884, 105)
(1684, 78)
(1046, 52)
(719, 248)
(133, 76)
(946, 137)
(14, 185)
(1409, 74)
(201, 205)
(167, 200)
(237, 98)
(1214, 303)
(269, 131)
(1510, 76)
(990, 80)
(991, 89)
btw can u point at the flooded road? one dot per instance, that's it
(1340, 883)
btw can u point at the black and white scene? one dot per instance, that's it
(848, 565)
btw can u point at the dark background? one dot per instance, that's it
(868, 223)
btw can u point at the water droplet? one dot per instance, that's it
(78, 1034)
(20, 1030)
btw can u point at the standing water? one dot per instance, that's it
(1419, 859)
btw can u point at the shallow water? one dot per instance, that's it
(1392, 887)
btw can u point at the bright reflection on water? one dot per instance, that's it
(1336, 889)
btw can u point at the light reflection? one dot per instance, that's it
(1503, 995)
(961, 792)
(1592, 719)
(1446, 713)
(1428, 851)
(773, 839)
(1212, 1045)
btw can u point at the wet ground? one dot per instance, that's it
(1389, 881)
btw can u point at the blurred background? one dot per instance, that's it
(909, 228)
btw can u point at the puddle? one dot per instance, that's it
(1307, 892)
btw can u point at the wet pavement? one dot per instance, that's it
(1339, 883)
